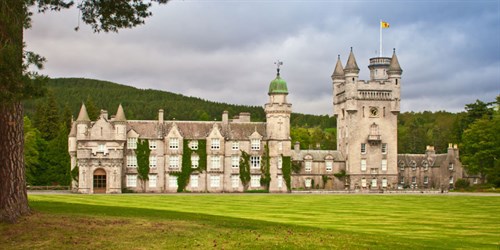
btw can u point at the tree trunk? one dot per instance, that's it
(13, 197)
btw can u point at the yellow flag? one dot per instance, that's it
(384, 25)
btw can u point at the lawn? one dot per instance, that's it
(257, 221)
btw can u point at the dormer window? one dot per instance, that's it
(215, 143)
(426, 165)
(132, 143)
(402, 165)
(450, 166)
(173, 143)
(413, 165)
(255, 144)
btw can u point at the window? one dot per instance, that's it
(426, 165)
(363, 165)
(255, 181)
(131, 180)
(474, 181)
(363, 148)
(374, 183)
(402, 180)
(308, 167)
(413, 179)
(195, 161)
(235, 161)
(384, 182)
(215, 160)
(152, 180)
(215, 143)
(172, 181)
(235, 145)
(329, 166)
(193, 180)
(132, 143)
(235, 181)
(193, 145)
(255, 144)
(384, 165)
(131, 161)
(173, 143)
(426, 179)
(280, 181)
(401, 165)
(413, 165)
(363, 182)
(152, 161)
(100, 148)
(280, 146)
(214, 181)
(308, 183)
(384, 148)
(280, 162)
(450, 166)
(255, 161)
(152, 144)
(173, 161)
(451, 179)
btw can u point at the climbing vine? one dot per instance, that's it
(265, 166)
(142, 153)
(245, 169)
(296, 166)
(287, 171)
(186, 168)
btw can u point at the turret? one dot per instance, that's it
(278, 110)
(351, 69)
(394, 72)
(120, 123)
(82, 123)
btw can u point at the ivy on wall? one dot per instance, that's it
(142, 152)
(287, 172)
(245, 169)
(265, 166)
(186, 168)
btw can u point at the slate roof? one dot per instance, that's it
(317, 155)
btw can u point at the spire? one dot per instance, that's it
(394, 67)
(83, 116)
(338, 72)
(120, 115)
(351, 65)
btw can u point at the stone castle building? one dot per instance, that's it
(105, 151)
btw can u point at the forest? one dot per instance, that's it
(48, 120)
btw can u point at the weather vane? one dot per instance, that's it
(278, 64)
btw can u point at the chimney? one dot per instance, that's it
(225, 117)
(455, 148)
(244, 117)
(296, 147)
(429, 151)
(160, 116)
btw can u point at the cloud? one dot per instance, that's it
(224, 51)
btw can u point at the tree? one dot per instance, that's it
(481, 148)
(142, 152)
(17, 84)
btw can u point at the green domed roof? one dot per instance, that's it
(278, 86)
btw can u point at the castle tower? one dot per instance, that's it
(120, 123)
(366, 114)
(278, 112)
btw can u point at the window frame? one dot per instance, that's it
(215, 143)
(255, 144)
(173, 143)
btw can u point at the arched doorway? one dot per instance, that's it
(99, 181)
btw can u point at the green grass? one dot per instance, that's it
(257, 222)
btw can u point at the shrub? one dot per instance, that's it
(462, 184)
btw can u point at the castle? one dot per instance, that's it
(105, 151)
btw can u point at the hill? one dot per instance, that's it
(144, 103)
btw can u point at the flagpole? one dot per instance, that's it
(380, 49)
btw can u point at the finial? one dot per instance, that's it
(351, 49)
(278, 64)
(338, 56)
(393, 50)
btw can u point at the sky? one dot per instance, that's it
(224, 51)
